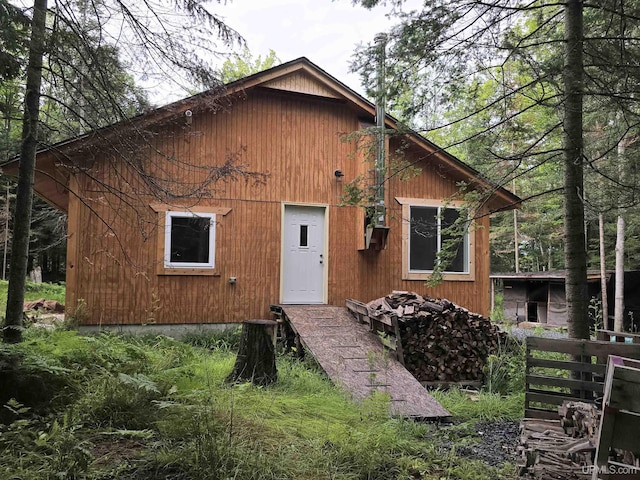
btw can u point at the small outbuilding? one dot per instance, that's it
(540, 297)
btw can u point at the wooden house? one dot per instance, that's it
(166, 227)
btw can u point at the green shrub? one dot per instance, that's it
(497, 314)
(35, 381)
(35, 291)
(47, 448)
(227, 339)
(504, 371)
(469, 405)
(168, 402)
(120, 401)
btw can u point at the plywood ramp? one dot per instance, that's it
(355, 359)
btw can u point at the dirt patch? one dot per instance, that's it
(493, 443)
(109, 450)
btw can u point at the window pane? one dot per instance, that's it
(190, 239)
(304, 235)
(423, 238)
(452, 241)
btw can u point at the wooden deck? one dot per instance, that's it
(355, 359)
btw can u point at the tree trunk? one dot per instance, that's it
(618, 307)
(6, 235)
(603, 275)
(24, 194)
(575, 245)
(256, 360)
(516, 245)
(618, 313)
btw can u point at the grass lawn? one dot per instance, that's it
(34, 291)
(113, 407)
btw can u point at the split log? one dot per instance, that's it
(560, 449)
(441, 342)
(580, 420)
(256, 360)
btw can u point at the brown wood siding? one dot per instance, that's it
(73, 253)
(297, 141)
(381, 272)
(302, 84)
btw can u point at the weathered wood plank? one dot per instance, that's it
(547, 452)
(625, 389)
(570, 383)
(618, 337)
(541, 413)
(597, 368)
(620, 422)
(593, 348)
(398, 336)
(600, 350)
(357, 307)
(548, 397)
(354, 358)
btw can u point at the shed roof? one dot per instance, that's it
(550, 275)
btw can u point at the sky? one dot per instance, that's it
(325, 31)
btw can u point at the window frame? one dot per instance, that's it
(164, 212)
(407, 273)
(169, 216)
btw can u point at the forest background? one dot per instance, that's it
(481, 79)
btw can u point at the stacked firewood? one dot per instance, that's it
(560, 449)
(441, 342)
(580, 420)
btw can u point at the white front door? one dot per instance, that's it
(303, 261)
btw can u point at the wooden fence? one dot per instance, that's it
(611, 336)
(553, 374)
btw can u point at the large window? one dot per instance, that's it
(189, 240)
(434, 230)
(434, 233)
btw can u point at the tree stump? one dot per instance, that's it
(256, 360)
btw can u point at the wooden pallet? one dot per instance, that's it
(550, 382)
(620, 422)
(547, 452)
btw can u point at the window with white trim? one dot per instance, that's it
(189, 240)
(431, 230)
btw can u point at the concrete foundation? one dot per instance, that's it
(174, 331)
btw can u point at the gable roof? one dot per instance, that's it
(299, 76)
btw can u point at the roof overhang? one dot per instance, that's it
(51, 182)
(51, 179)
(548, 276)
